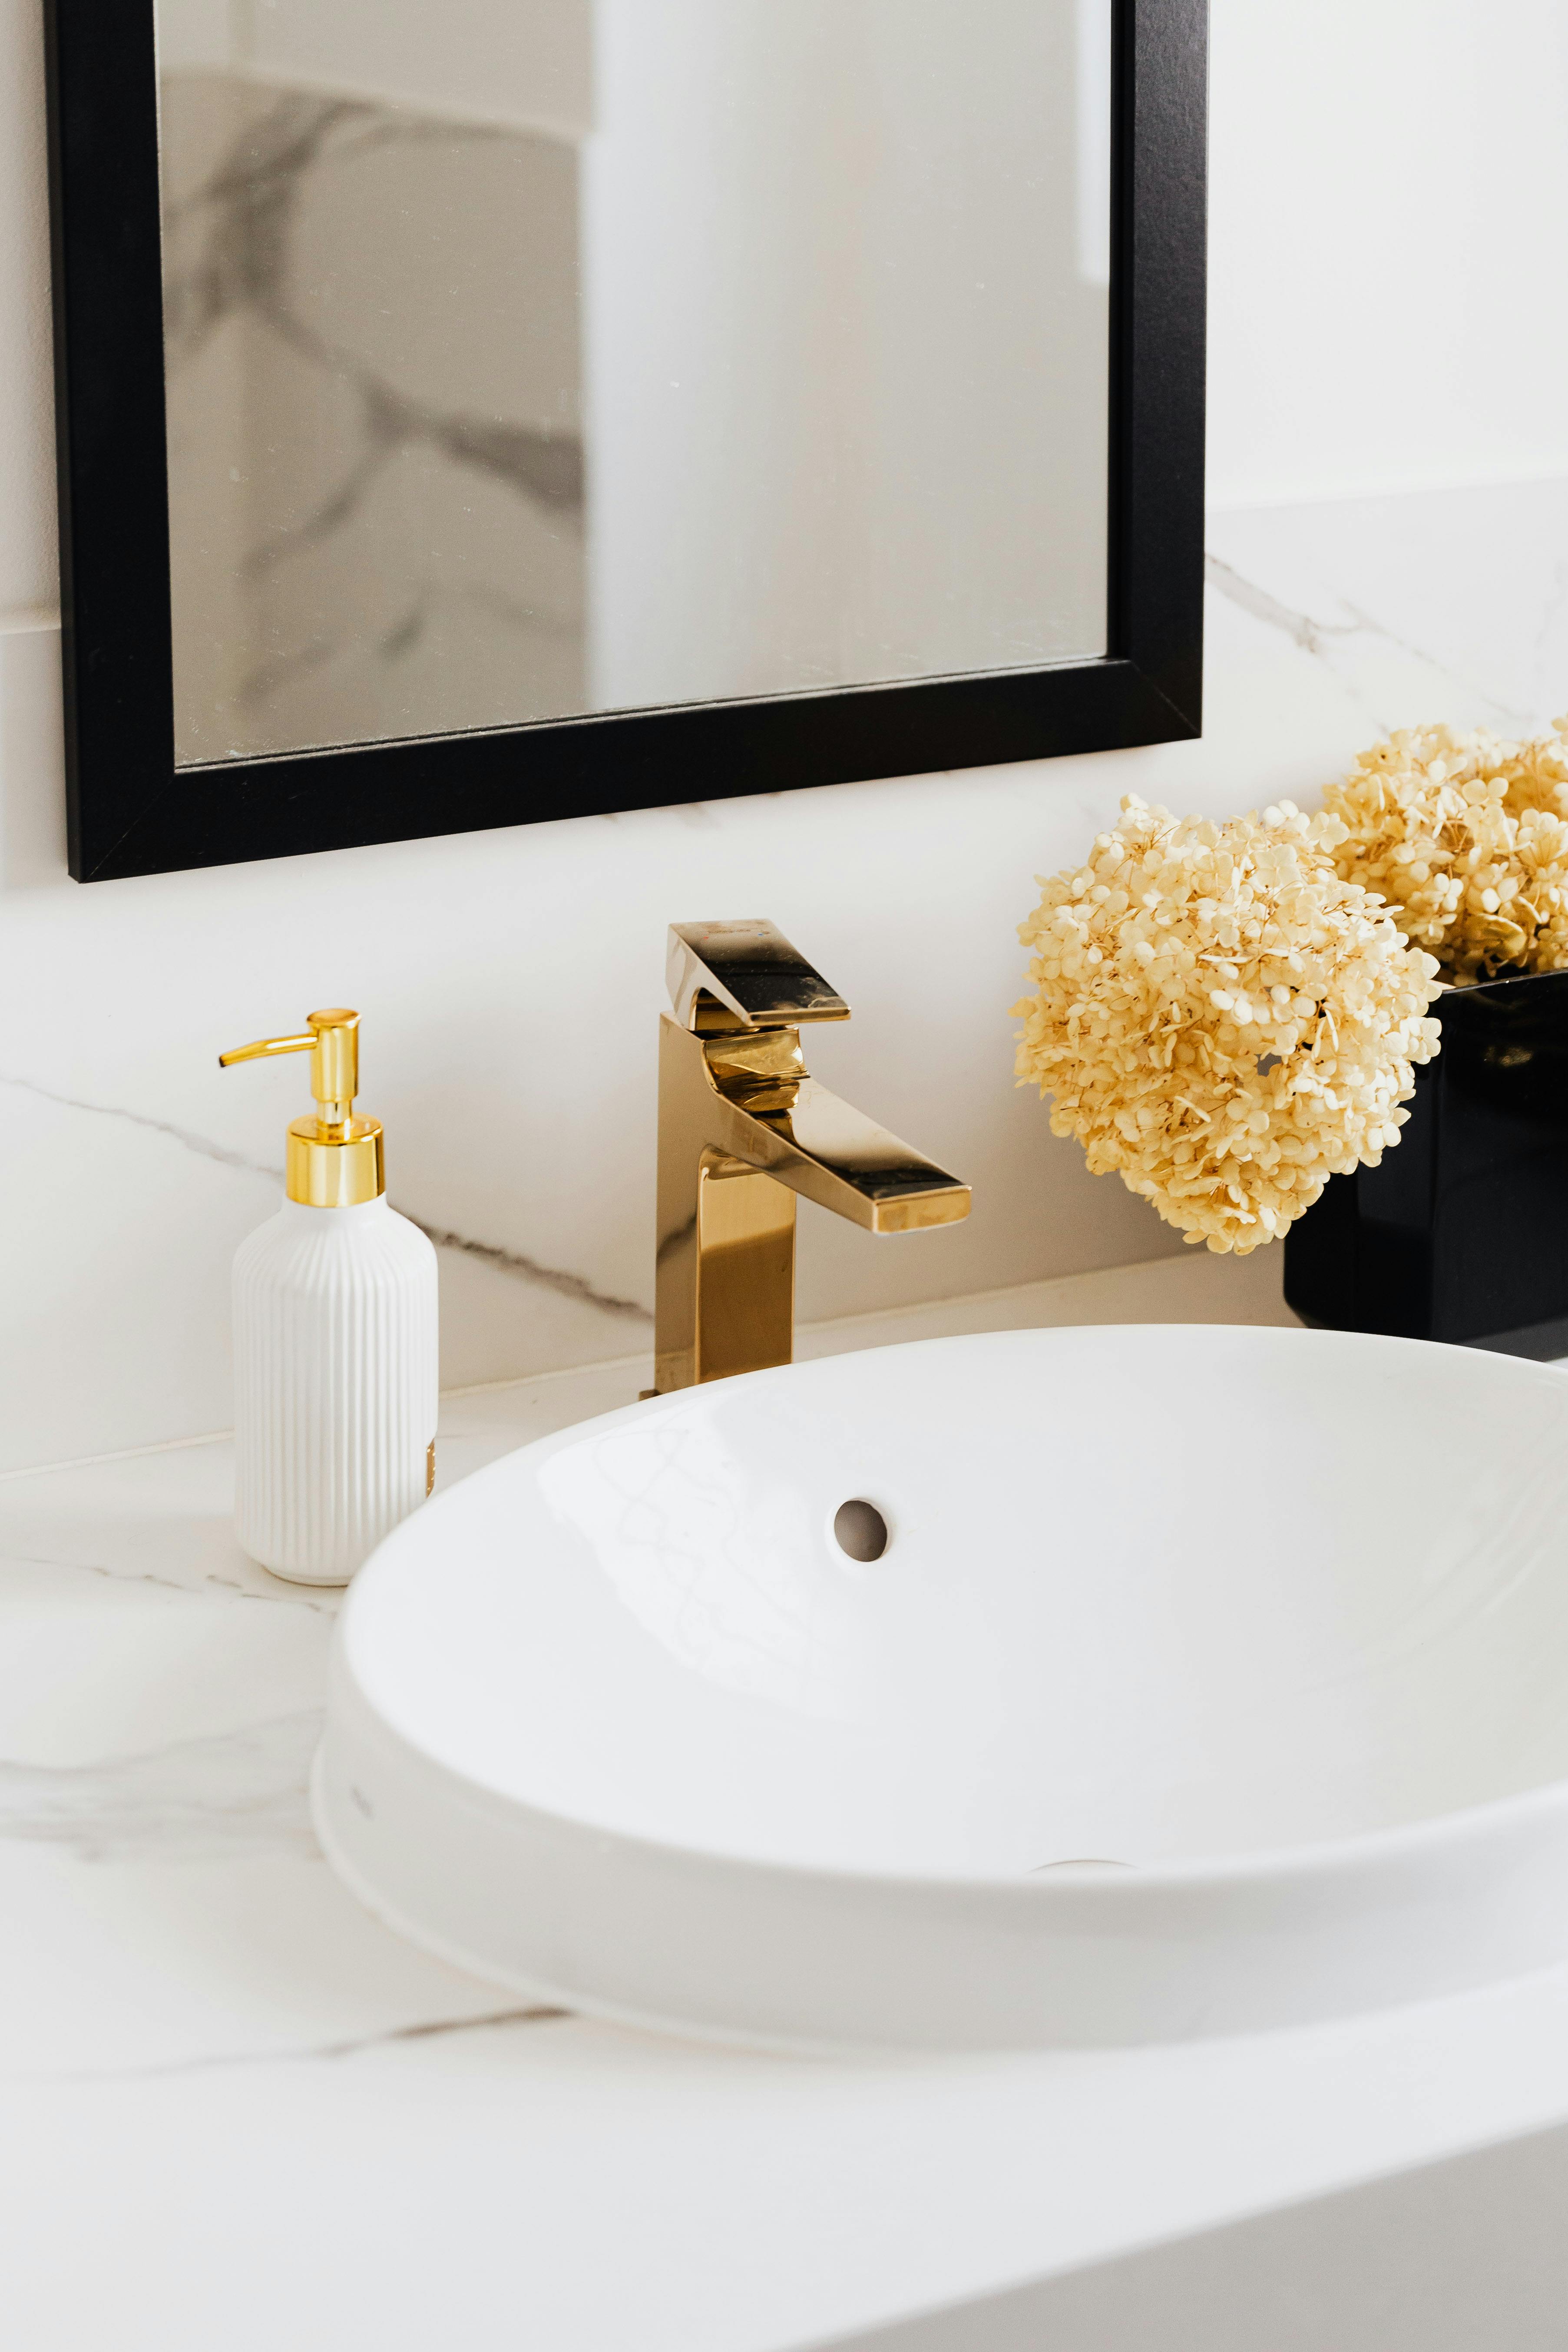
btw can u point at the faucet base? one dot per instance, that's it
(743, 1278)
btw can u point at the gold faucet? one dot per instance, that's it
(743, 1128)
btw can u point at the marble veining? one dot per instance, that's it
(575, 1287)
(1459, 597)
(244, 218)
(337, 545)
(516, 1263)
(201, 1144)
(1323, 639)
(352, 2046)
(195, 1802)
(212, 1578)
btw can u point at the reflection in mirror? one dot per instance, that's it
(532, 358)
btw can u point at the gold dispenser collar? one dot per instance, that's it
(335, 1160)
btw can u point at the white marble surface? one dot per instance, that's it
(511, 984)
(233, 2110)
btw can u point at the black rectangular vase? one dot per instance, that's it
(1462, 1233)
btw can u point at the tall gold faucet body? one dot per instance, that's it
(742, 1128)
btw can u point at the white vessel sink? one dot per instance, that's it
(1210, 1679)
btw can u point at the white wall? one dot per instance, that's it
(510, 981)
(1390, 214)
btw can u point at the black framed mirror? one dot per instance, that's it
(522, 409)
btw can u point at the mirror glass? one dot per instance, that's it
(527, 358)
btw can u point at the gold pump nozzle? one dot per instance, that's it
(335, 1160)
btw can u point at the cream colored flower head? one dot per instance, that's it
(1466, 836)
(1221, 1018)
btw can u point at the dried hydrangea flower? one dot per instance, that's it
(1220, 1018)
(1466, 836)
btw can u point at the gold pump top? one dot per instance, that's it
(335, 1160)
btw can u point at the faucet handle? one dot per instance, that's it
(724, 975)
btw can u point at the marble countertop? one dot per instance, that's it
(238, 2112)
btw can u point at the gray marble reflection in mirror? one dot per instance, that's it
(528, 359)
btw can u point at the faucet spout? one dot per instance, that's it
(744, 1129)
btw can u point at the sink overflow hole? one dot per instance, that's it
(860, 1531)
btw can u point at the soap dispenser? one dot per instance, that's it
(334, 1338)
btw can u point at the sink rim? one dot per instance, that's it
(1055, 1886)
(1254, 1864)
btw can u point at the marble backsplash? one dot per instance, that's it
(511, 983)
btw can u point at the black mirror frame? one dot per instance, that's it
(132, 810)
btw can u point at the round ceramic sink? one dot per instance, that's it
(1165, 1681)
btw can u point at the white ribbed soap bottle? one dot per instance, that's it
(334, 1339)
